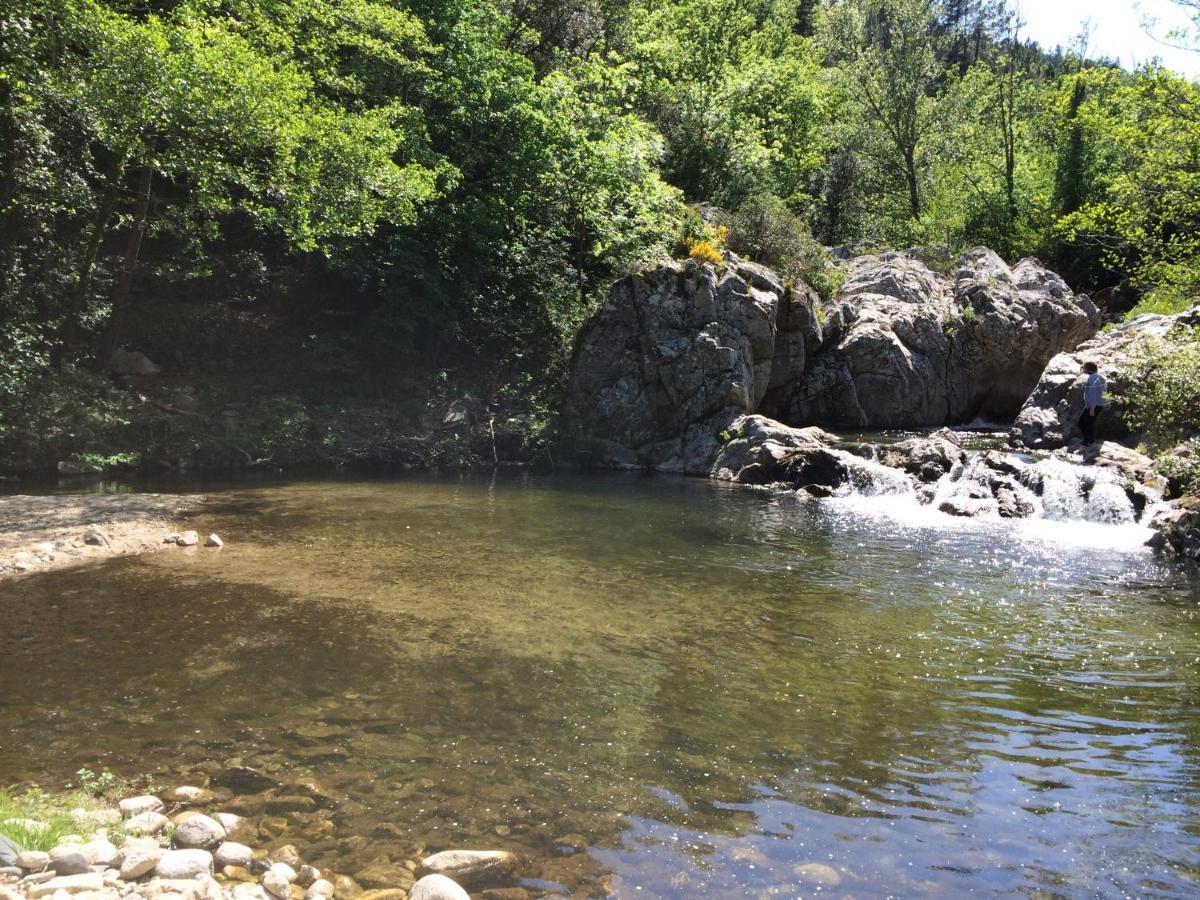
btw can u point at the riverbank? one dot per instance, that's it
(40, 533)
(148, 847)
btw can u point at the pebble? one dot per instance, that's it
(184, 864)
(307, 876)
(232, 853)
(134, 806)
(238, 873)
(33, 860)
(101, 852)
(139, 860)
(68, 860)
(319, 889)
(818, 873)
(188, 539)
(146, 823)
(288, 855)
(437, 887)
(189, 794)
(214, 541)
(278, 880)
(70, 883)
(199, 832)
(466, 863)
(245, 891)
(228, 821)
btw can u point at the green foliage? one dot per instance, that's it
(319, 202)
(764, 230)
(1162, 388)
(1181, 467)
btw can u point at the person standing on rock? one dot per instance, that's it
(1093, 403)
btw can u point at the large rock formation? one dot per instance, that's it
(1047, 419)
(905, 346)
(679, 353)
(674, 356)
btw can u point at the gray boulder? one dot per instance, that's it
(928, 458)
(1047, 418)
(758, 450)
(675, 355)
(904, 346)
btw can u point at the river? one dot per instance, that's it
(646, 686)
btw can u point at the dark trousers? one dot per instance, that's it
(1087, 424)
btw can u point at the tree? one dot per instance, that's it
(888, 62)
(227, 125)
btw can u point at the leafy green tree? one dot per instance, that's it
(889, 66)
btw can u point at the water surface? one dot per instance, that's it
(646, 686)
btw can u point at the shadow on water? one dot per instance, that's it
(713, 691)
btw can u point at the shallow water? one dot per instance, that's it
(710, 689)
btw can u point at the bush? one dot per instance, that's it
(1162, 393)
(1181, 468)
(765, 231)
(705, 252)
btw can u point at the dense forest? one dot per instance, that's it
(336, 227)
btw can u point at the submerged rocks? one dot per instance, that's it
(468, 865)
(1047, 418)
(437, 887)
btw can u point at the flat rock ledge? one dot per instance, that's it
(170, 848)
(39, 533)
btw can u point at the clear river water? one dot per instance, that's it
(646, 686)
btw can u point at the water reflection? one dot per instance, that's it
(714, 691)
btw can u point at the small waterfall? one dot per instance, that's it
(873, 479)
(995, 485)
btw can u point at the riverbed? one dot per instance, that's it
(645, 686)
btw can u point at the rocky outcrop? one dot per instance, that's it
(1178, 530)
(1047, 418)
(680, 353)
(758, 450)
(674, 356)
(904, 346)
(927, 459)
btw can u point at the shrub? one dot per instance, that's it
(1162, 394)
(1181, 468)
(765, 231)
(705, 252)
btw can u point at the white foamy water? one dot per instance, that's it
(1073, 505)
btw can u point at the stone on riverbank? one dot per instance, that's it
(146, 823)
(72, 884)
(199, 832)
(134, 806)
(10, 851)
(33, 860)
(67, 859)
(231, 853)
(137, 861)
(184, 864)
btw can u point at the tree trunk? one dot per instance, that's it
(83, 282)
(910, 172)
(110, 340)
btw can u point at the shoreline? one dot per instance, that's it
(41, 533)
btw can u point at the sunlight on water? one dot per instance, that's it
(646, 686)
